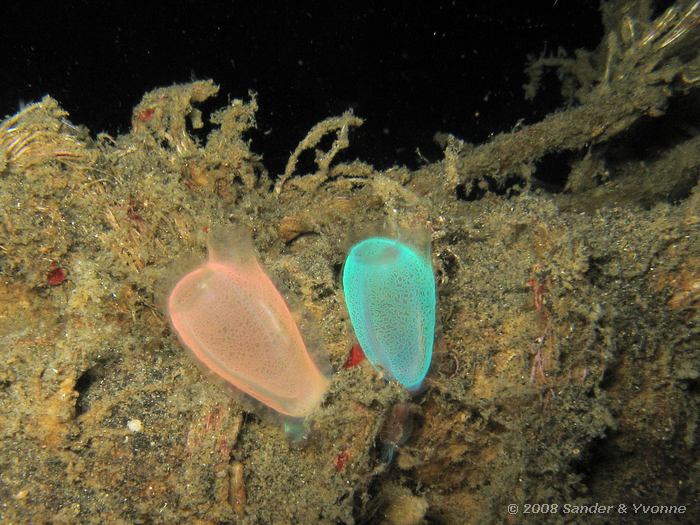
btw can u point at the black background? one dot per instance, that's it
(409, 68)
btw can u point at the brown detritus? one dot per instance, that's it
(339, 125)
(535, 391)
(688, 294)
(227, 153)
(36, 205)
(162, 115)
(292, 226)
(587, 173)
(636, 79)
(208, 452)
(543, 347)
(54, 413)
(401, 506)
(237, 493)
(683, 284)
(399, 423)
(40, 133)
(207, 432)
(667, 178)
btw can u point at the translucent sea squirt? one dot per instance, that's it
(234, 321)
(389, 290)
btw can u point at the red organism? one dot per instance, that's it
(355, 357)
(146, 114)
(341, 460)
(56, 275)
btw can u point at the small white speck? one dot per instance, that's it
(134, 425)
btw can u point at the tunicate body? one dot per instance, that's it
(390, 294)
(236, 324)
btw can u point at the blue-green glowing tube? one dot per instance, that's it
(390, 294)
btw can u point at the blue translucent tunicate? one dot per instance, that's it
(390, 294)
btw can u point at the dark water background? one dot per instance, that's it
(409, 68)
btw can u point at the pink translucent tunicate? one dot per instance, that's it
(232, 318)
